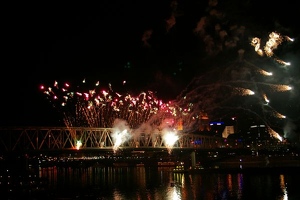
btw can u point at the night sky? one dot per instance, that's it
(153, 45)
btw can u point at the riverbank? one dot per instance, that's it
(244, 164)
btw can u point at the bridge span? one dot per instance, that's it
(65, 138)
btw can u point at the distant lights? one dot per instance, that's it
(216, 123)
(256, 126)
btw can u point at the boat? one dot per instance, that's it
(181, 168)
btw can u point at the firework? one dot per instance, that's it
(274, 40)
(241, 85)
(99, 107)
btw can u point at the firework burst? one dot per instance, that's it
(99, 107)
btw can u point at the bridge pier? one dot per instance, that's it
(193, 159)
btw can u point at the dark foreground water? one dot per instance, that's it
(126, 183)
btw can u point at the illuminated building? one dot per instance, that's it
(204, 122)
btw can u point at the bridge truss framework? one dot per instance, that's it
(60, 138)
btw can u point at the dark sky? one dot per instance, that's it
(152, 45)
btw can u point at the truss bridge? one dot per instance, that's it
(63, 138)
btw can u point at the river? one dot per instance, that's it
(153, 183)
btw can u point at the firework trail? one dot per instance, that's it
(241, 85)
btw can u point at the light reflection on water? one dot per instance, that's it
(153, 183)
